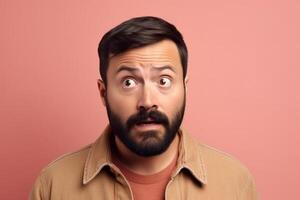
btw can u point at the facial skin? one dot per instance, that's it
(145, 97)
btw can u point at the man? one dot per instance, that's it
(144, 153)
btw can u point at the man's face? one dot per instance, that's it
(145, 97)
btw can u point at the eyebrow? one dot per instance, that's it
(132, 69)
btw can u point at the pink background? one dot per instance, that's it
(243, 93)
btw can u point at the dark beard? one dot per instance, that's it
(151, 143)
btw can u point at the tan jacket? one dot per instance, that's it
(89, 174)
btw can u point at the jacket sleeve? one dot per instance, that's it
(249, 191)
(37, 191)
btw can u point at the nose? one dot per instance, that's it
(146, 99)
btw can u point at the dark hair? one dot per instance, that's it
(139, 32)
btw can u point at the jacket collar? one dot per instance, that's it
(189, 157)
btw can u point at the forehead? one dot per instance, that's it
(163, 53)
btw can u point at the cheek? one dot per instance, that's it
(171, 103)
(123, 106)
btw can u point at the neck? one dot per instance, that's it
(146, 165)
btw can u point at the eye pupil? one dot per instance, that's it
(165, 82)
(127, 82)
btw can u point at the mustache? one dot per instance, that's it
(143, 116)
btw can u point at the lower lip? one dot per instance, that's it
(147, 127)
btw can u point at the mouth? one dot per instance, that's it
(150, 121)
(147, 125)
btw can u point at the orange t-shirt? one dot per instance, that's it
(147, 187)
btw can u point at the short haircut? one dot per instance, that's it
(139, 32)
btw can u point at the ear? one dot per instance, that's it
(102, 91)
(186, 80)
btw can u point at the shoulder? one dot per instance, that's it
(214, 160)
(223, 168)
(69, 164)
(69, 159)
(62, 172)
(224, 176)
(213, 155)
(217, 160)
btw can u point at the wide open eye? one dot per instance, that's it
(165, 82)
(128, 83)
